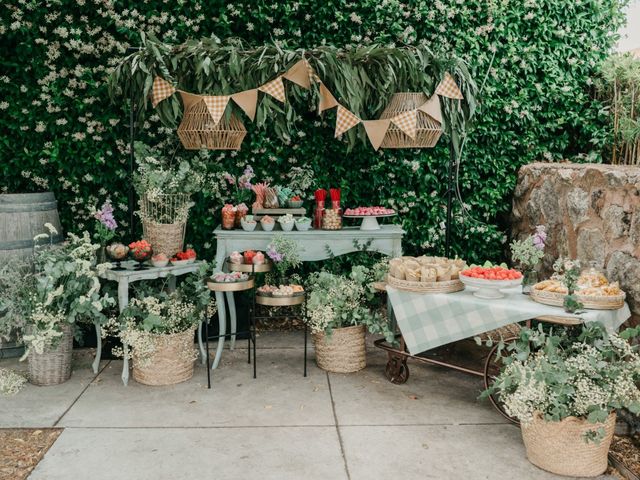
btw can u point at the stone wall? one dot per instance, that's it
(592, 213)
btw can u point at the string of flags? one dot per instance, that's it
(303, 75)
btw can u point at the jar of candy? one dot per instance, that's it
(332, 219)
(228, 217)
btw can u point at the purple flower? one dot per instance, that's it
(229, 179)
(105, 216)
(540, 237)
(273, 254)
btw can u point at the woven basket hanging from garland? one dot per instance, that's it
(164, 221)
(428, 130)
(199, 131)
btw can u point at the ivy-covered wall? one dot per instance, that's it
(60, 131)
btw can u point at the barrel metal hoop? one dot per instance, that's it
(28, 207)
(22, 244)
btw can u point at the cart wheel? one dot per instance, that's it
(397, 370)
(491, 369)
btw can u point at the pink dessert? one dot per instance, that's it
(369, 211)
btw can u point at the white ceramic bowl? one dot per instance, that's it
(181, 262)
(248, 226)
(267, 227)
(159, 263)
(489, 289)
(303, 226)
(287, 226)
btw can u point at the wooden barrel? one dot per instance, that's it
(22, 217)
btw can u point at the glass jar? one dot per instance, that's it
(228, 219)
(317, 215)
(529, 279)
(332, 219)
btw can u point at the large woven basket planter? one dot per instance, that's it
(53, 365)
(172, 361)
(560, 447)
(167, 238)
(341, 352)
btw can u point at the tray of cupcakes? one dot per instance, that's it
(230, 282)
(250, 261)
(426, 274)
(594, 291)
(280, 296)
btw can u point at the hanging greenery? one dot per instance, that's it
(363, 79)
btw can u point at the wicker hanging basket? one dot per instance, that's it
(197, 129)
(341, 352)
(171, 362)
(428, 130)
(560, 447)
(164, 221)
(53, 365)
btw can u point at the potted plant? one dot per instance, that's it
(63, 291)
(164, 184)
(285, 255)
(339, 315)
(105, 229)
(158, 330)
(527, 254)
(565, 388)
(238, 190)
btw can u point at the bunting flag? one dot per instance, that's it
(448, 88)
(376, 130)
(327, 100)
(345, 120)
(407, 122)
(247, 101)
(275, 88)
(216, 105)
(313, 77)
(299, 74)
(432, 108)
(161, 89)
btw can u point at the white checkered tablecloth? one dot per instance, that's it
(429, 320)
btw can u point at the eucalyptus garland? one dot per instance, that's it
(362, 79)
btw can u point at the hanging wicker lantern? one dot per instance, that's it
(428, 130)
(198, 130)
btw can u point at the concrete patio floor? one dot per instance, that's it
(278, 426)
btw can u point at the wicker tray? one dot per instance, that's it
(280, 301)
(249, 268)
(446, 286)
(230, 286)
(590, 302)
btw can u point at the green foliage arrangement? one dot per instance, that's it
(586, 374)
(62, 131)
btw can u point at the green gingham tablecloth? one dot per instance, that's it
(429, 320)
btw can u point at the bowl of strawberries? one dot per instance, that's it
(295, 201)
(489, 279)
(184, 258)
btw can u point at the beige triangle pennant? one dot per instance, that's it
(313, 77)
(216, 104)
(448, 88)
(161, 89)
(376, 130)
(247, 101)
(299, 74)
(407, 121)
(327, 100)
(432, 108)
(345, 120)
(275, 88)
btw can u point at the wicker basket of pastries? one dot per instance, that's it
(426, 274)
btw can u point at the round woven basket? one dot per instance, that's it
(428, 130)
(342, 352)
(172, 362)
(53, 366)
(167, 238)
(445, 286)
(560, 447)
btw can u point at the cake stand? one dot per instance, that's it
(370, 222)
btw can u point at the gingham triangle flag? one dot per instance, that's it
(407, 121)
(161, 89)
(345, 120)
(448, 88)
(275, 88)
(216, 105)
(313, 77)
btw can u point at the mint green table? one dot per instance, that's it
(314, 245)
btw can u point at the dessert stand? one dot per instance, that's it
(369, 222)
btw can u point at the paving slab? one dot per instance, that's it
(432, 396)
(438, 452)
(292, 453)
(36, 406)
(280, 396)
